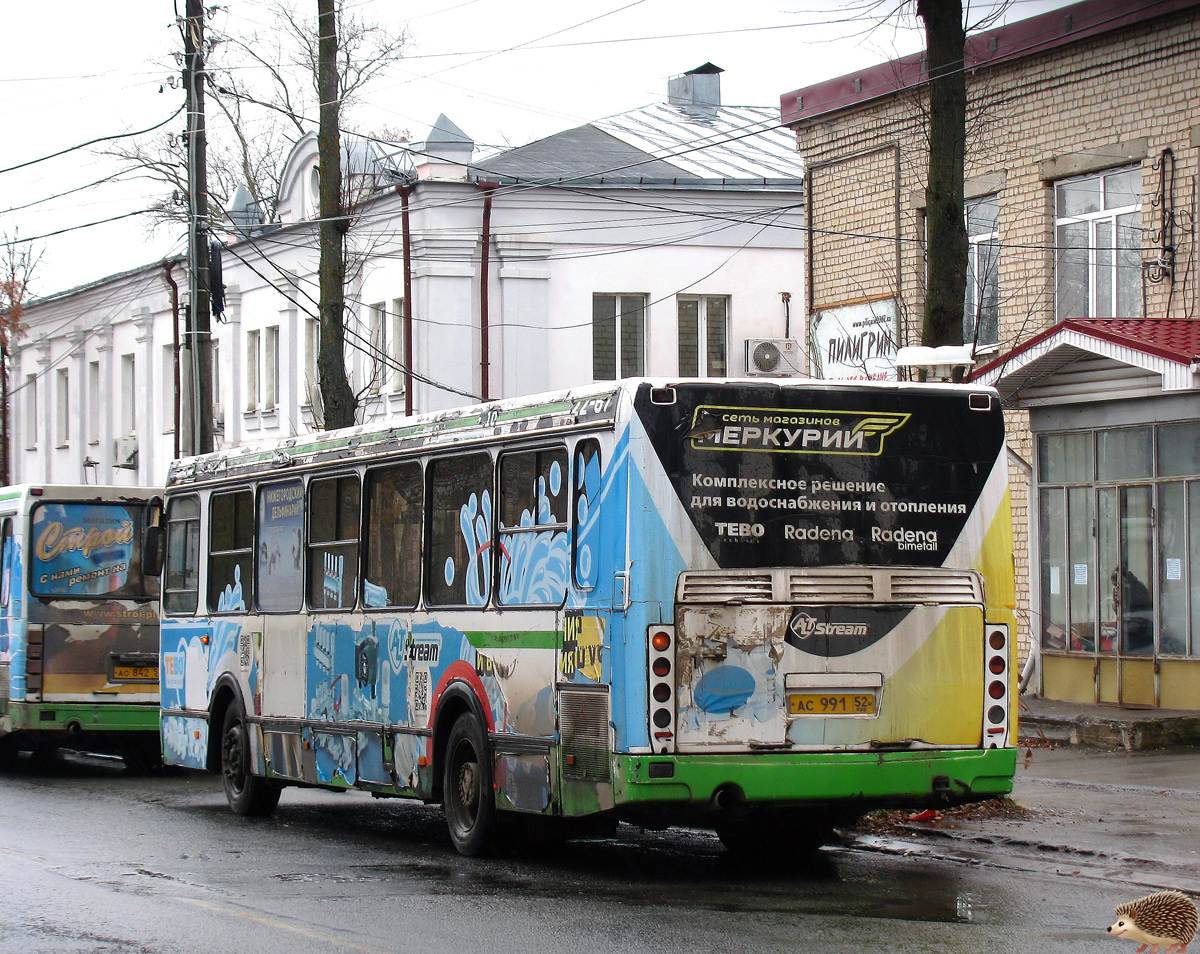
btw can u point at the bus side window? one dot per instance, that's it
(231, 552)
(534, 552)
(281, 547)
(333, 521)
(182, 578)
(460, 531)
(6, 559)
(585, 529)
(395, 503)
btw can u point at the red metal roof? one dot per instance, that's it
(1015, 41)
(1176, 339)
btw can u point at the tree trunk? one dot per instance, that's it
(336, 395)
(946, 229)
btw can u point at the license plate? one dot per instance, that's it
(831, 703)
(135, 673)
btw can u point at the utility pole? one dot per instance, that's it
(946, 236)
(198, 339)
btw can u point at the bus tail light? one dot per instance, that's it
(996, 701)
(660, 642)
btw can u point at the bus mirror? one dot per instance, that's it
(152, 551)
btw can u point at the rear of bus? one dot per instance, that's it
(826, 592)
(78, 622)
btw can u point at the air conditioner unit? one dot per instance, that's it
(125, 452)
(777, 357)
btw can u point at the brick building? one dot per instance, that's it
(1081, 169)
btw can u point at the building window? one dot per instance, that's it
(128, 396)
(399, 358)
(168, 388)
(252, 350)
(1099, 245)
(271, 369)
(93, 400)
(618, 336)
(981, 311)
(703, 336)
(31, 411)
(376, 358)
(312, 348)
(62, 410)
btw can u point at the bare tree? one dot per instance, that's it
(17, 265)
(262, 99)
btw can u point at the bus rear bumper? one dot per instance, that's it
(78, 718)
(854, 781)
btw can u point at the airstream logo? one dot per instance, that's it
(803, 626)
(860, 433)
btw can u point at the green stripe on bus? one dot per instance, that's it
(104, 717)
(513, 639)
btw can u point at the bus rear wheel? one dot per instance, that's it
(247, 794)
(467, 799)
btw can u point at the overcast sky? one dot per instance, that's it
(503, 71)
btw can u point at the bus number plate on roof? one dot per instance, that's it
(135, 674)
(831, 703)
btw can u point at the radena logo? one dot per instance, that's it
(803, 626)
(772, 430)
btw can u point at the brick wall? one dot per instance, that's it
(1108, 101)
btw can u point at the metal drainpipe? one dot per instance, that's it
(167, 266)
(484, 256)
(405, 191)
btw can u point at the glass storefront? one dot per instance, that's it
(1119, 541)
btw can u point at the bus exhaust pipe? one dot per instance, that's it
(728, 796)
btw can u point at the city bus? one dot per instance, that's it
(78, 622)
(759, 606)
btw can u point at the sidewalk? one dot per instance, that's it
(1118, 814)
(1107, 727)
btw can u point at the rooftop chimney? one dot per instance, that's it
(697, 92)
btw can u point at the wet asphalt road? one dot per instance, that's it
(96, 859)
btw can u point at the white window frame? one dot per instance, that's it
(623, 306)
(703, 368)
(62, 409)
(377, 337)
(1096, 220)
(252, 372)
(271, 368)
(128, 395)
(93, 399)
(31, 411)
(397, 348)
(976, 289)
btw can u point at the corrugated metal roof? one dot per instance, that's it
(742, 145)
(721, 142)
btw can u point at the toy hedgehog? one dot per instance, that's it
(1164, 920)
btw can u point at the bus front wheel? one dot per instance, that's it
(247, 794)
(467, 798)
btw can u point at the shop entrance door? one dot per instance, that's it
(1125, 544)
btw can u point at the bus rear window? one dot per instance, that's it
(88, 550)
